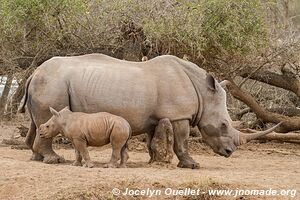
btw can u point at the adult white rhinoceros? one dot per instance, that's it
(141, 92)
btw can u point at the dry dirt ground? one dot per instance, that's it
(253, 166)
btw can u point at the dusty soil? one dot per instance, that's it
(253, 166)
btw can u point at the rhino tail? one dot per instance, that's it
(126, 143)
(22, 108)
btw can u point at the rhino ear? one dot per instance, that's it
(211, 82)
(54, 112)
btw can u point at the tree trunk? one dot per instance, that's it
(17, 97)
(5, 93)
(286, 13)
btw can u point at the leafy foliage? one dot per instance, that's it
(26, 25)
(225, 37)
(202, 29)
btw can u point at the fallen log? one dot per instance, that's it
(12, 142)
(20, 147)
(22, 130)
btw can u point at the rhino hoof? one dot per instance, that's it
(187, 164)
(76, 163)
(109, 165)
(196, 166)
(151, 161)
(89, 165)
(36, 157)
(53, 159)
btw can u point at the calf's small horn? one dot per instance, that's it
(244, 138)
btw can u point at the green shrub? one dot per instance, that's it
(213, 28)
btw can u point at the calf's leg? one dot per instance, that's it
(116, 152)
(124, 155)
(181, 133)
(81, 147)
(78, 159)
(118, 140)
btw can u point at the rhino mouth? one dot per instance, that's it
(226, 152)
(45, 136)
(225, 155)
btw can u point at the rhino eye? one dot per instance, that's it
(47, 126)
(224, 125)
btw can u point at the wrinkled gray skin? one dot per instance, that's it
(140, 92)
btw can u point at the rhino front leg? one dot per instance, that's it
(181, 134)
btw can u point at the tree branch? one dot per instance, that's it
(286, 81)
(289, 123)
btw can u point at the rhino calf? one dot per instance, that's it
(84, 130)
(162, 142)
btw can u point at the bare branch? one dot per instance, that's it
(289, 123)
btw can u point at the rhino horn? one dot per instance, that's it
(244, 138)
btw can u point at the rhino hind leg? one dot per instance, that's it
(30, 137)
(39, 153)
(118, 140)
(149, 141)
(181, 133)
(115, 157)
(43, 92)
(124, 156)
(42, 146)
(29, 141)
